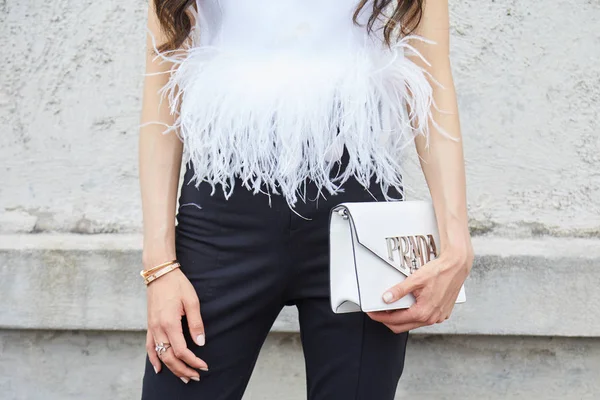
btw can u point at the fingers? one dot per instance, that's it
(411, 283)
(406, 319)
(174, 332)
(174, 363)
(178, 368)
(397, 321)
(192, 312)
(154, 360)
(405, 327)
(395, 316)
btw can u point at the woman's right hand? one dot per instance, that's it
(169, 298)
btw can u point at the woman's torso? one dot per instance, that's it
(272, 90)
(279, 26)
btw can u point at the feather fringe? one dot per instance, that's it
(279, 121)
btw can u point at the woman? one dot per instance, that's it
(280, 110)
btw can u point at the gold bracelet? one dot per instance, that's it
(160, 273)
(145, 272)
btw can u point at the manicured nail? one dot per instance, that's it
(203, 369)
(195, 378)
(155, 369)
(184, 379)
(200, 339)
(388, 296)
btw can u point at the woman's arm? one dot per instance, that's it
(159, 159)
(171, 296)
(436, 285)
(443, 162)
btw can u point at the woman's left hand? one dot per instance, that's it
(435, 286)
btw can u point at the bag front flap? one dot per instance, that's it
(403, 234)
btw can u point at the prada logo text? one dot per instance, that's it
(413, 251)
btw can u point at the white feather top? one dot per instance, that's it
(271, 91)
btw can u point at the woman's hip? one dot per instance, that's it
(246, 204)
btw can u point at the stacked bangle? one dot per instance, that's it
(156, 272)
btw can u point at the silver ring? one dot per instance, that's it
(161, 347)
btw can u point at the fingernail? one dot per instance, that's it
(200, 340)
(195, 378)
(388, 296)
(184, 379)
(203, 369)
(155, 369)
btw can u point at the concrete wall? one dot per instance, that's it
(528, 87)
(106, 365)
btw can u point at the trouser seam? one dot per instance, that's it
(360, 359)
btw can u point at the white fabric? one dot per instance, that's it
(271, 90)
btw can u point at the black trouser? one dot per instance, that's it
(247, 261)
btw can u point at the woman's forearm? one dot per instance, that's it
(159, 166)
(159, 159)
(443, 161)
(443, 167)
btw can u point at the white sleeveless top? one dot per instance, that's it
(271, 91)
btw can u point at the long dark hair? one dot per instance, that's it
(402, 19)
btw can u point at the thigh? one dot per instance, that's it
(349, 356)
(231, 351)
(227, 253)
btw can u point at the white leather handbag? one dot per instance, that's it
(375, 245)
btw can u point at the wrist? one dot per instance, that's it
(156, 256)
(455, 243)
(158, 244)
(454, 232)
(159, 271)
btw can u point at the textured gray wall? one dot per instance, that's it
(528, 87)
(99, 366)
(530, 287)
